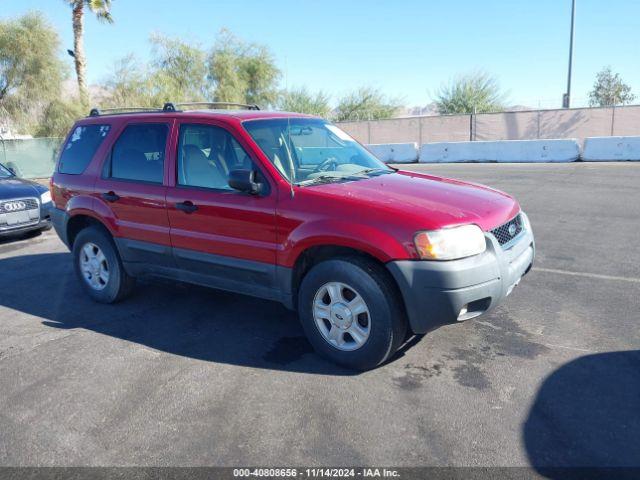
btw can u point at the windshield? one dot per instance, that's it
(309, 150)
(4, 172)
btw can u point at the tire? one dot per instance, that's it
(383, 326)
(116, 284)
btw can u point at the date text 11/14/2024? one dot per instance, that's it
(316, 472)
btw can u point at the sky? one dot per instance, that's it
(406, 48)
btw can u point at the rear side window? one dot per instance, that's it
(81, 147)
(138, 154)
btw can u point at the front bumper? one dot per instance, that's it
(43, 224)
(435, 292)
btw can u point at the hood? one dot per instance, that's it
(15, 187)
(430, 202)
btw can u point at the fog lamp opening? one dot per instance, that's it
(474, 309)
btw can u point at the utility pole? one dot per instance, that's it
(566, 99)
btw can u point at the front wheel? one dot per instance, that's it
(351, 313)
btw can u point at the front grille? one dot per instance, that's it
(29, 204)
(502, 232)
(18, 213)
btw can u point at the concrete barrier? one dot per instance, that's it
(395, 152)
(611, 149)
(507, 151)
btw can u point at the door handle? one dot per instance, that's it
(187, 207)
(110, 197)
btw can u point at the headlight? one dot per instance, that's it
(45, 197)
(450, 243)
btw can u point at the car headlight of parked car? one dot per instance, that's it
(450, 243)
(45, 197)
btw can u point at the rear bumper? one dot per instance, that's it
(435, 292)
(59, 219)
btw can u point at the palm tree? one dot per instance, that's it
(102, 10)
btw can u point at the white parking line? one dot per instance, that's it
(588, 275)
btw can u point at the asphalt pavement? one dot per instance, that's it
(179, 375)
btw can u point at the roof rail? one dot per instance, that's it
(96, 112)
(167, 107)
(219, 104)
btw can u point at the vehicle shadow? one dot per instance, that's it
(587, 414)
(16, 237)
(177, 318)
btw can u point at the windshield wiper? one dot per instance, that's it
(370, 171)
(324, 179)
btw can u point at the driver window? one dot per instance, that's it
(206, 155)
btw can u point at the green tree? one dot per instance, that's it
(302, 101)
(129, 85)
(366, 103)
(31, 73)
(609, 89)
(102, 10)
(178, 70)
(242, 72)
(58, 117)
(475, 92)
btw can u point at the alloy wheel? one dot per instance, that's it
(94, 266)
(342, 316)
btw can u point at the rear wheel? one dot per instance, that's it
(99, 268)
(351, 313)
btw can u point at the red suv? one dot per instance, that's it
(286, 207)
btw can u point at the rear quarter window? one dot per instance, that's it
(81, 147)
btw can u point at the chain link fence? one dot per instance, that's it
(30, 157)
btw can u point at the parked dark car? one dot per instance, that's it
(24, 204)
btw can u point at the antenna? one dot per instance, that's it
(286, 87)
(4, 148)
(287, 144)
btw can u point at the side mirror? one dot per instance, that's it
(245, 181)
(13, 172)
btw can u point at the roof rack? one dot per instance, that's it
(167, 107)
(96, 112)
(219, 105)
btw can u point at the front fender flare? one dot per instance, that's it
(375, 242)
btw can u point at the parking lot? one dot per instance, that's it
(180, 375)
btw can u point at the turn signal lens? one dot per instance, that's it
(450, 243)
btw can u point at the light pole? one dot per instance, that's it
(566, 99)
